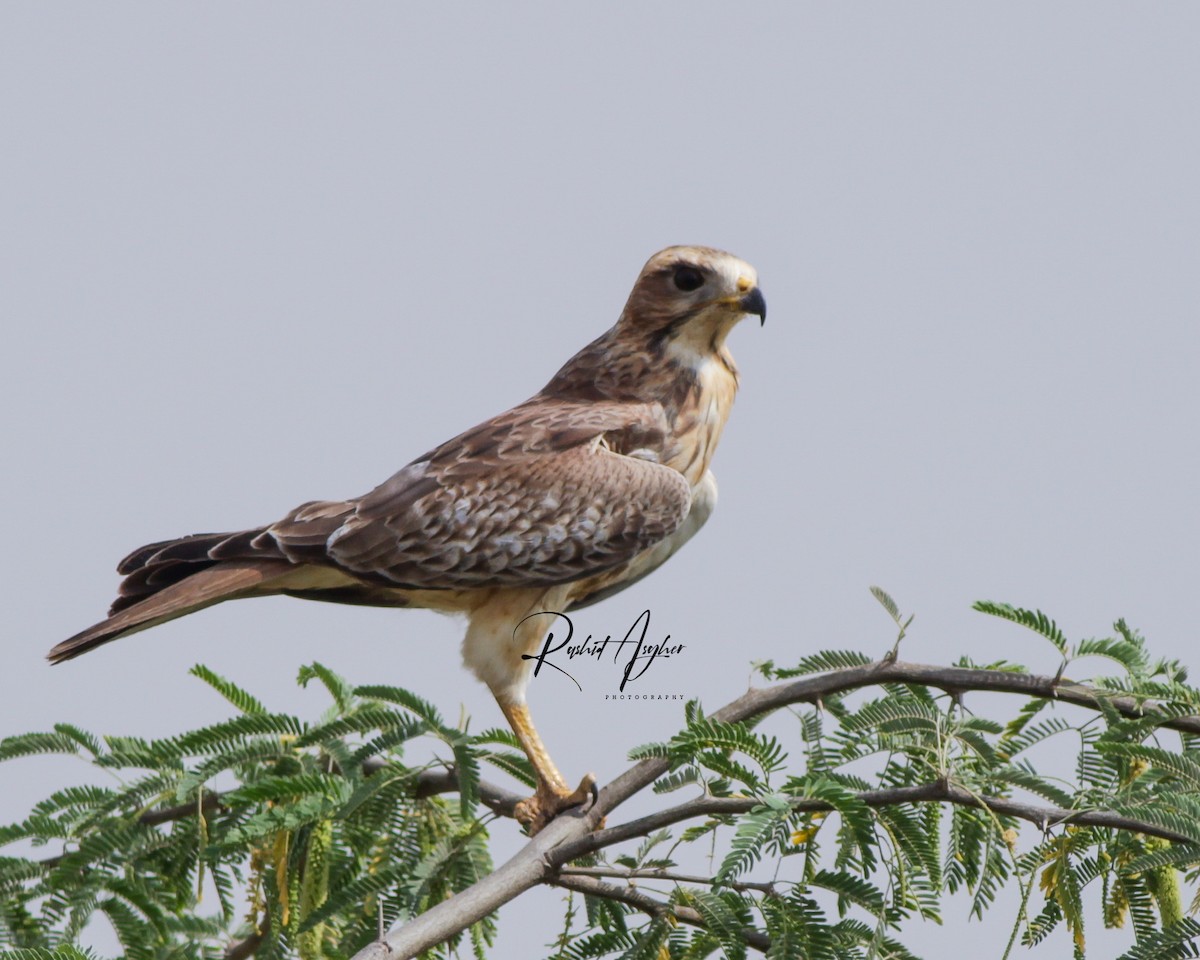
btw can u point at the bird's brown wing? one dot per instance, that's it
(450, 494)
(543, 494)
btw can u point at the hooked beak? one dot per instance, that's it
(754, 303)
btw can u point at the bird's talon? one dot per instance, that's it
(547, 803)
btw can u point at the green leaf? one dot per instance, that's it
(275, 789)
(851, 889)
(674, 781)
(823, 662)
(435, 864)
(1131, 656)
(1028, 780)
(1034, 620)
(410, 701)
(252, 752)
(235, 732)
(466, 767)
(31, 744)
(1186, 824)
(269, 821)
(514, 764)
(136, 936)
(342, 692)
(762, 827)
(720, 919)
(1176, 941)
(82, 737)
(370, 717)
(1021, 735)
(1180, 856)
(228, 689)
(706, 734)
(400, 731)
(353, 894)
(895, 715)
(1179, 765)
(650, 942)
(886, 602)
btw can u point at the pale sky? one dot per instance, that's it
(256, 254)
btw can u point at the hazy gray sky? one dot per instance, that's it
(255, 254)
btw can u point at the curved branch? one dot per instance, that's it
(754, 939)
(953, 680)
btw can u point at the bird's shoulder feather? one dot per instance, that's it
(547, 492)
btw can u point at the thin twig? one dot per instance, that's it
(152, 818)
(654, 873)
(754, 939)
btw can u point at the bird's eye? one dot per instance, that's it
(688, 278)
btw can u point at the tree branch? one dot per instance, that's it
(241, 949)
(445, 780)
(624, 873)
(152, 818)
(940, 792)
(656, 908)
(428, 783)
(953, 680)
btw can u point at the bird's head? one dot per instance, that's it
(691, 297)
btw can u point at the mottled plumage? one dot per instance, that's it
(565, 499)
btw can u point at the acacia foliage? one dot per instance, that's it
(270, 836)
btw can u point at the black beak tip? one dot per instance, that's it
(754, 303)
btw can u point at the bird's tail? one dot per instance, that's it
(210, 583)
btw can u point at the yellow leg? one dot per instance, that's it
(553, 795)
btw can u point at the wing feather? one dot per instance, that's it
(542, 494)
(535, 496)
(546, 519)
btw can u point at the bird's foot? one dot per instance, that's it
(537, 811)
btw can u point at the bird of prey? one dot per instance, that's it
(561, 501)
